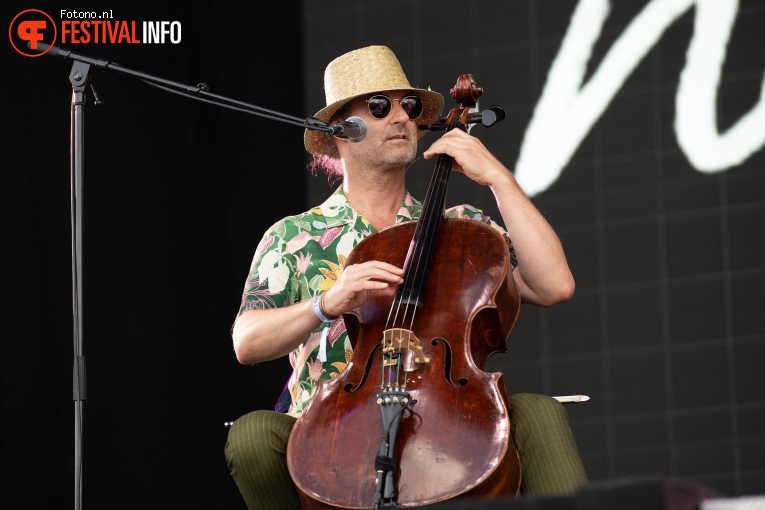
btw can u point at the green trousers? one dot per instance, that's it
(256, 452)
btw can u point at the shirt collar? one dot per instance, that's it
(338, 211)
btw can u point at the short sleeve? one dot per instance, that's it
(271, 282)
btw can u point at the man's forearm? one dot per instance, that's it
(262, 335)
(543, 274)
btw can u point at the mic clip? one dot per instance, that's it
(313, 122)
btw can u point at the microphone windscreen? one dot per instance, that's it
(362, 128)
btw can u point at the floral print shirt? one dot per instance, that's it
(301, 257)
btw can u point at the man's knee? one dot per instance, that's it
(256, 452)
(548, 452)
(259, 436)
(538, 407)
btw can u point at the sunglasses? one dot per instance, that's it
(380, 106)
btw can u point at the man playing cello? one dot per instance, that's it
(298, 286)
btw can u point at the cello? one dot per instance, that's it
(414, 419)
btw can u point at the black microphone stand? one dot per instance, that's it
(80, 78)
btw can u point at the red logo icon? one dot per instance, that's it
(28, 29)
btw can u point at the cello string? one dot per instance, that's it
(395, 306)
(401, 305)
(430, 224)
(415, 275)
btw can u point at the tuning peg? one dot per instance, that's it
(489, 117)
(432, 127)
(498, 111)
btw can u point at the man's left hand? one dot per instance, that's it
(471, 157)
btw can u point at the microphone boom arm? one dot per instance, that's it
(200, 92)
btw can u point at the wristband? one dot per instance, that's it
(323, 311)
(319, 312)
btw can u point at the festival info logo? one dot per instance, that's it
(30, 28)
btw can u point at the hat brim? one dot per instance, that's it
(322, 143)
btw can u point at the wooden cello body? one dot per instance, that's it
(416, 386)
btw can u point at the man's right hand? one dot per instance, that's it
(359, 283)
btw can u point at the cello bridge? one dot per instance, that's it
(398, 341)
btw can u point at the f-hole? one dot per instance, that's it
(349, 388)
(448, 363)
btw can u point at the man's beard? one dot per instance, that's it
(386, 153)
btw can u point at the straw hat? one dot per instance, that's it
(360, 73)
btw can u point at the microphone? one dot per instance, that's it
(353, 128)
